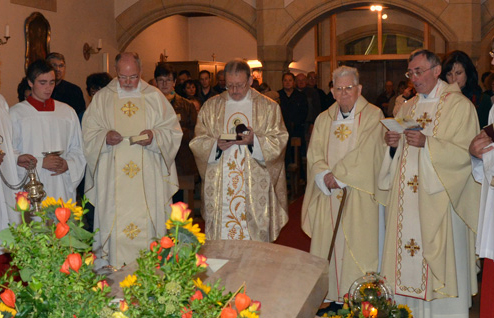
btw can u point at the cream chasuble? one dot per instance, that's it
(432, 207)
(234, 220)
(131, 219)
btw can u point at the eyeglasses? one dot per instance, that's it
(347, 89)
(491, 53)
(236, 86)
(164, 80)
(417, 73)
(125, 78)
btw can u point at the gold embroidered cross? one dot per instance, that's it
(129, 109)
(342, 132)
(414, 183)
(412, 247)
(424, 120)
(131, 169)
(132, 231)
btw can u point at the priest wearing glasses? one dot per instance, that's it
(345, 152)
(244, 185)
(131, 136)
(433, 200)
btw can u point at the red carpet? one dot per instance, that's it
(292, 235)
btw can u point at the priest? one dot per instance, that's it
(243, 178)
(345, 152)
(433, 199)
(131, 136)
(50, 131)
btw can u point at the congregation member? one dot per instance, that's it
(205, 91)
(220, 86)
(433, 201)
(457, 67)
(65, 91)
(8, 169)
(50, 131)
(313, 101)
(345, 152)
(131, 136)
(294, 108)
(481, 148)
(243, 180)
(187, 116)
(182, 77)
(383, 99)
(192, 94)
(312, 83)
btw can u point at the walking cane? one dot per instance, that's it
(338, 219)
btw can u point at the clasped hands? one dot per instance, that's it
(247, 139)
(113, 138)
(413, 137)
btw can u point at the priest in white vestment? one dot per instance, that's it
(50, 131)
(243, 181)
(345, 152)
(130, 184)
(432, 204)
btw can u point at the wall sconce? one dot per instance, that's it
(6, 36)
(87, 50)
(163, 56)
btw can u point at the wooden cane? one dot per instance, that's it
(338, 219)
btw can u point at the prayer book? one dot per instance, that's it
(137, 138)
(239, 129)
(400, 124)
(489, 130)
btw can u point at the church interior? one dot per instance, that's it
(276, 36)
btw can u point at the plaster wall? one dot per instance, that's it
(74, 23)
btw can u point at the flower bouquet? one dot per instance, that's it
(51, 269)
(164, 285)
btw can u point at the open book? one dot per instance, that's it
(400, 124)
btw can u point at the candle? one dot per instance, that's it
(7, 31)
(100, 43)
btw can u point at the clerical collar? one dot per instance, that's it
(46, 106)
(129, 94)
(433, 92)
(350, 114)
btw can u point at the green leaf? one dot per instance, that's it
(26, 274)
(6, 236)
(184, 236)
(79, 232)
(70, 241)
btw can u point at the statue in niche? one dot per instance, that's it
(38, 31)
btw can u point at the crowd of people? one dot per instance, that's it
(135, 139)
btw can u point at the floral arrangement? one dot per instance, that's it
(52, 273)
(370, 297)
(51, 265)
(164, 285)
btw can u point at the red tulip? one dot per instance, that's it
(366, 309)
(242, 301)
(75, 261)
(8, 297)
(61, 230)
(255, 306)
(166, 242)
(65, 267)
(228, 312)
(62, 214)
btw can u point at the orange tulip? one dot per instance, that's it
(62, 214)
(228, 312)
(75, 261)
(8, 297)
(22, 202)
(180, 212)
(61, 230)
(101, 285)
(242, 301)
(201, 261)
(255, 306)
(89, 259)
(366, 309)
(166, 242)
(123, 306)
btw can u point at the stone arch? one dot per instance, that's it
(306, 20)
(146, 12)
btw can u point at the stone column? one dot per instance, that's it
(275, 60)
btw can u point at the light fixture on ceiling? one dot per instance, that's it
(384, 16)
(376, 7)
(254, 63)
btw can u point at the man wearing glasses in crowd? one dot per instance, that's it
(432, 204)
(131, 136)
(243, 176)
